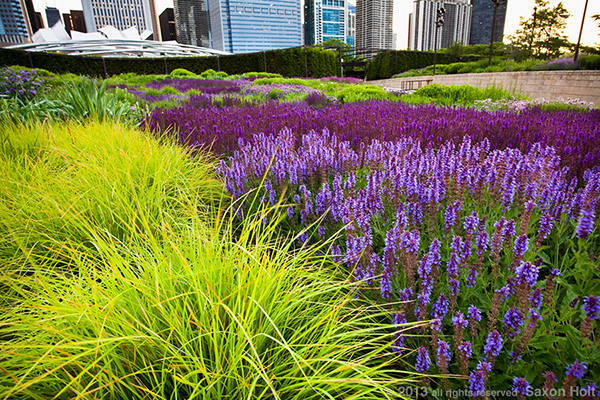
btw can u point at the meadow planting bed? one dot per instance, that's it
(466, 237)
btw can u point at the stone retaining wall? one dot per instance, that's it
(583, 85)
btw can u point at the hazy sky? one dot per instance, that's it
(516, 9)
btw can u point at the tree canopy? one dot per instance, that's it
(542, 35)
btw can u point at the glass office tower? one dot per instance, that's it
(14, 22)
(325, 19)
(248, 26)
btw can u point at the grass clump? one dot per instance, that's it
(355, 93)
(461, 95)
(55, 180)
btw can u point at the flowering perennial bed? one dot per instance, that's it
(498, 247)
(576, 136)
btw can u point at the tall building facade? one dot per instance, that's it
(75, 21)
(325, 19)
(121, 14)
(481, 23)
(248, 26)
(456, 27)
(374, 24)
(15, 26)
(167, 25)
(351, 23)
(52, 16)
(192, 22)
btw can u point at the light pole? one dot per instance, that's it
(532, 30)
(497, 3)
(580, 31)
(439, 22)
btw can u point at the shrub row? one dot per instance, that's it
(287, 62)
(388, 63)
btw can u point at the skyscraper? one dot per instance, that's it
(325, 19)
(456, 27)
(52, 16)
(167, 25)
(351, 31)
(374, 24)
(481, 23)
(14, 22)
(121, 14)
(239, 26)
(192, 22)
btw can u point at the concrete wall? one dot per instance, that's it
(582, 85)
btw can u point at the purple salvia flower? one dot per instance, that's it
(399, 320)
(482, 242)
(459, 321)
(536, 298)
(521, 245)
(484, 366)
(454, 286)
(436, 324)
(546, 224)
(474, 313)
(591, 306)
(477, 383)
(406, 294)
(471, 223)
(513, 320)
(472, 276)
(509, 229)
(493, 344)
(465, 349)
(527, 272)
(577, 369)
(422, 360)
(443, 351)
(449, 217)
(440, 308)
(453, 264)
(521, 386)
(586, 221)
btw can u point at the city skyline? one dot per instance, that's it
(402, 9)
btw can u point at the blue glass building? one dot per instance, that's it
(14, 24)
(325, 19)
(239, 26)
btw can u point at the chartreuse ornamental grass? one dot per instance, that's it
(55, 179)
(124, 278)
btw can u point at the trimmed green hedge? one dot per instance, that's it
(386, 64)
(287, 62)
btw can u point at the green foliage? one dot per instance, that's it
(212, 74)
(286, 81)
(364, 92)
(182, 72)
(389, 63)
(591, 62)
(262, 75)
(463, 95)
(454, 68)
(542, 35)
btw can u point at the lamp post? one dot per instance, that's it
(580, 32)
(439, 22)
(532, 30)
(497, 3)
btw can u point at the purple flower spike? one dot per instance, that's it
(591, 306)
(477, 382)
(466, 349)
(459, 321)
(577, 369)
(521, 245)
(443, 350)
(493, 344)
(474, 313)
(440, 308)
(521, 386)
(513, 319)
(422, 360)
(586, 222)
(527, 272)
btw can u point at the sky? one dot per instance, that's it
(402, 8)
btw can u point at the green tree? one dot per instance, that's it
(596, 17)
(542, 35)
